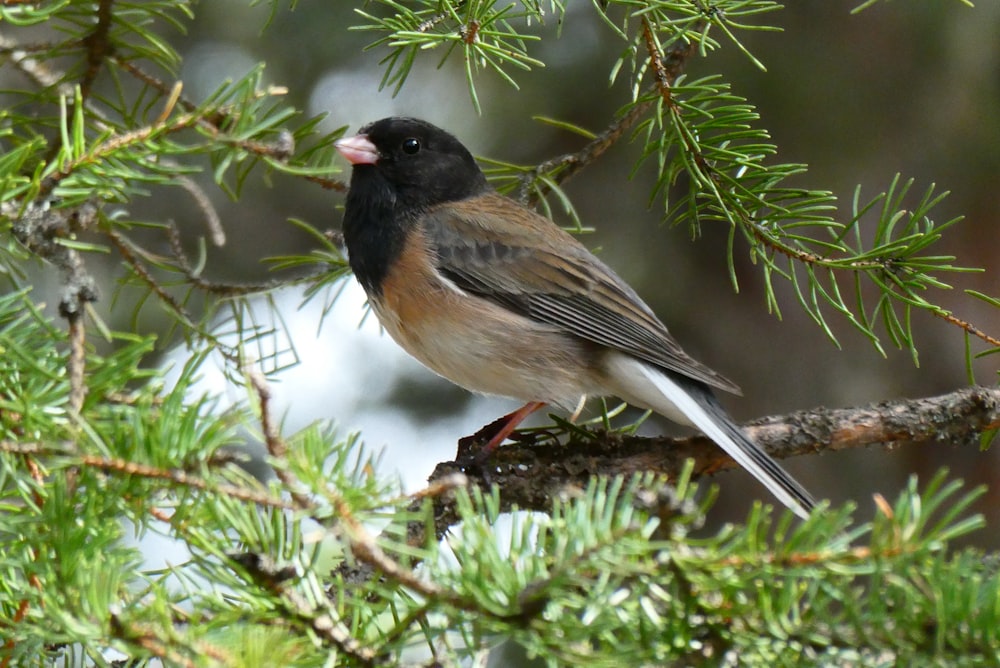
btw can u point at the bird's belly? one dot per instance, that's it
(485, 348)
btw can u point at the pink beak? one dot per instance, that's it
(358, 150)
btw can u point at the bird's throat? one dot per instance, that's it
(373, 231)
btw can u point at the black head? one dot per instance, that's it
(422, 164)
(402, 167)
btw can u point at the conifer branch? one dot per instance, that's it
(97, 441)
(97, 45)
(532, 472)
(322, 620)
(276, 445)
(129, 468)
(966, 326)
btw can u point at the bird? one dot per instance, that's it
(500, 300)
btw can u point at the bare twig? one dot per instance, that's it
(39, 72)
(125, 250)
(41, 229)
(77, 360)
(98, 45)
(196, 280)
(211, 216)
(276, 445)
(967, 326)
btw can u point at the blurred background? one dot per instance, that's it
(859, 98)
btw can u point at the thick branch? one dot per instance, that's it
(529, 476)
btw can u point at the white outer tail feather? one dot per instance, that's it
(673, 401)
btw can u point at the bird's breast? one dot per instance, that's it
(477, 343)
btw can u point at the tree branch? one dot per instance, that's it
(529, 476)
(98, 45)
(668, 67)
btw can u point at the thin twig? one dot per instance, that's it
(76, 365)
(564, 167)
(280, 149)
(98, 45)
(277, 447)
(125, 250)
(114, 143)
(323, 621)
(209, 213)
(41, 229)
(664, 83)
(196, 280)
(967, 326)
(125, 467)
(34, 69)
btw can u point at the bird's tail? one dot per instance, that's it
(691, 402)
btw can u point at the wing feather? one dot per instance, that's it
(529, 265)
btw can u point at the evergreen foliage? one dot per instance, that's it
(98, 451)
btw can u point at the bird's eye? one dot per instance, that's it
(411, 145)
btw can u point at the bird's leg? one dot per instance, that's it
(469, 450)
(509, 423)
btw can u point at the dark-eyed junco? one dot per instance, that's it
(500, 300)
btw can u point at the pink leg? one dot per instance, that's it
(510, 422)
